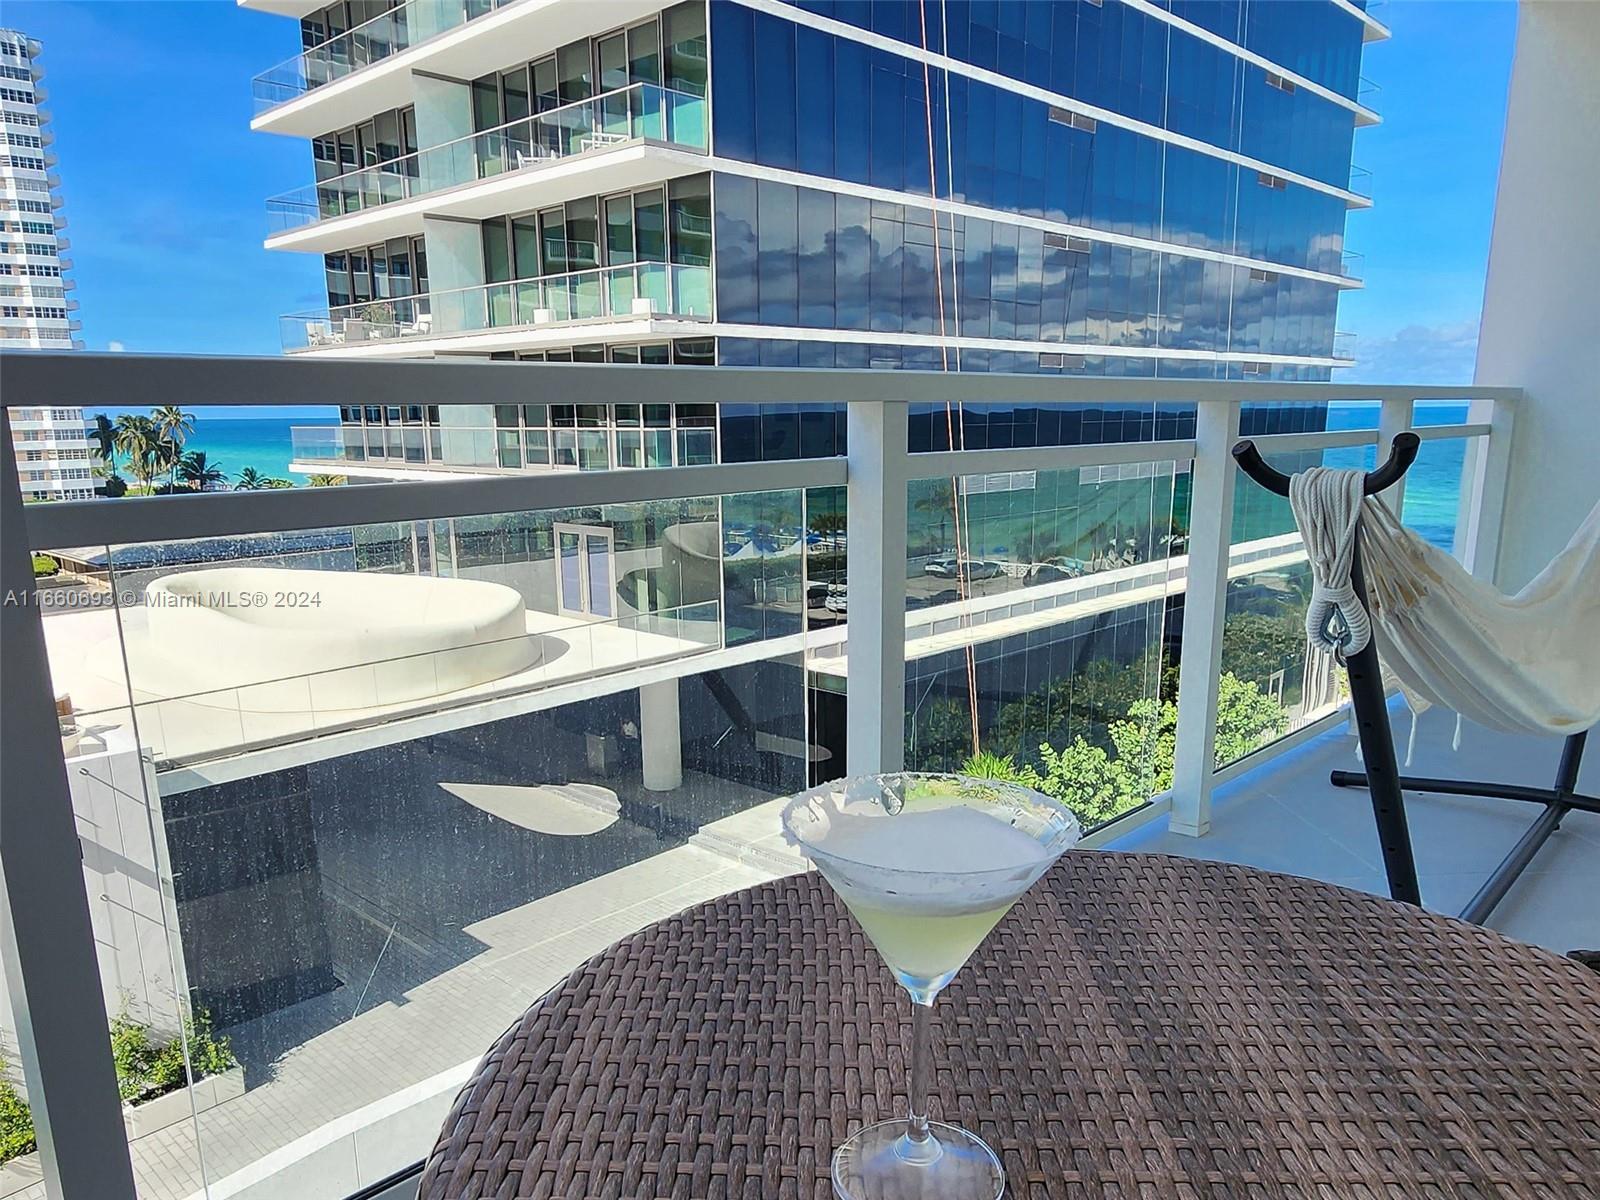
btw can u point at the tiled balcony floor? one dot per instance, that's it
(1286, 816)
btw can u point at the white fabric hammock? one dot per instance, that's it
(1528, 663)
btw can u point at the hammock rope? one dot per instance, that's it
(1327, 508)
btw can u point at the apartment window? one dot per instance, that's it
(694, 352)
(689, 220)
(1276, 182)
(1075, 120)
(573, 80)
(509, 444)
(683, 30)
(536, 444)
(564, 448)
(1253, 368)
(644, 53)
(1062, 241)
(1259, 276)
(1274, 80)
(1062, 362)
(16, 95)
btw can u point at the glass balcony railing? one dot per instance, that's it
(399, 29)
(627, 116)
(1344, 345)
(1361, 181)
(1352, 264)
(631, 290)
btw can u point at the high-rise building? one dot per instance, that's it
(1102, 187)
(53, 451)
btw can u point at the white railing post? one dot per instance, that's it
(1484, 475)
(875, 685)
(1204, 605)
(1393, 418)
(51, 969)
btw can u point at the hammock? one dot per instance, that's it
(1525, 663)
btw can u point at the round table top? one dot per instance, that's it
(1137, 1026)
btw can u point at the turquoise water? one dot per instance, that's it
(1432, 487)
(234, 443)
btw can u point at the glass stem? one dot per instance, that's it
(921, 1065)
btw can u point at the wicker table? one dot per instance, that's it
(1139, 1026)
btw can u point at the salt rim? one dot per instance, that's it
(873, 789)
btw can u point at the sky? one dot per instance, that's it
(165, 185)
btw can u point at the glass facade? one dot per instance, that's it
(795, 97)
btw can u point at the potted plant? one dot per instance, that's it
(151, 1074)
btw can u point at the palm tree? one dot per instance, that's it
(140, 440)
(326, 480)
(200, 473)
(114, 484)
(175, 426)
(106, 435)
(251, 480)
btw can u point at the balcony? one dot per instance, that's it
(630, 299)
(508, 720)
(399, 29)
(371, 67)
(587, 147)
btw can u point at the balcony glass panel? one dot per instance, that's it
(1038, 604)
(1272, 682)
(1434, 488)
(366, 901)
(576, 296)
(372, 41)
(642, 112)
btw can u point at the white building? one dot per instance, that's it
(53, 453)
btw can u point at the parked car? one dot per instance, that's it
(1072, 567)
(837, 601)
(970, 568)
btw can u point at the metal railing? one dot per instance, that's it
(632, 290)
(642, 112)
(40, 855)
(382, 37)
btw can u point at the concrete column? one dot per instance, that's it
(444, 108)
(455, 261)
(1538, 328)
(659, 738)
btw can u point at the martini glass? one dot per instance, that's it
(927, 865)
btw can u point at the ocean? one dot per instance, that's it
(1432, 486)
(234, 443)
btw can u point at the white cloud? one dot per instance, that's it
(115, 347)
(1426, 354)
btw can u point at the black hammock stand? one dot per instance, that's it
(1382, 777)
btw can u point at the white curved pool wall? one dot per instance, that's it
(278, 640)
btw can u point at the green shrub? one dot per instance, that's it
(16, 1122)
(146, 1070)
(44, 565)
